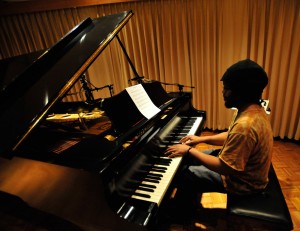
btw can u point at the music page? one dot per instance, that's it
(142, 101)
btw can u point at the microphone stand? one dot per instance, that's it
(180, 86)
(138, 79)
(87, 91)
(110, 88)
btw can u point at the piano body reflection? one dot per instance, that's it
(64, 172)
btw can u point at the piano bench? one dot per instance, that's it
(268, 206)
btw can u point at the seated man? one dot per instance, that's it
(242, 165)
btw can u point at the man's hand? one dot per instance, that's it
(177, 150)
(190, 140)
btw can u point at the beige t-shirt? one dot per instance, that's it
(248, 150)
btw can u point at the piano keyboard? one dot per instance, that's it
(155, 182)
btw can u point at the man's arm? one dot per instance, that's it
(211, 162)
(217, 139)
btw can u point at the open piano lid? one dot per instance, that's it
(27, 97)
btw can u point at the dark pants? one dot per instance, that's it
(195, 180)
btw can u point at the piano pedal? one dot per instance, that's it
(172, 196)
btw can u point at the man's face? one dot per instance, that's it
(228, 96)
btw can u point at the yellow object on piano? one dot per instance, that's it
(70, 118)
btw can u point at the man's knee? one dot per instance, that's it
(201, 172)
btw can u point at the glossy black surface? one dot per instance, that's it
(28, 95)
(11, 68)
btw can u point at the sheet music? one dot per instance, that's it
(142, 101)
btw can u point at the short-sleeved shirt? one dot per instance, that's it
(248, 150)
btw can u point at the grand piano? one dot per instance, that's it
(101, 165)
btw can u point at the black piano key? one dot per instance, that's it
(170, 138)
(160, 168)
(141, 195)
(150, 180)
(153, 168)
(171, 142)
(147, 185)
(130, 186)
(140, 177)
(153, 165)
(146, 171)
(145, 189)
(179, 132)
(162, 161)
(152, 177)
(155, 174)
(175, 134)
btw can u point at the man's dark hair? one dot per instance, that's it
(246, 79)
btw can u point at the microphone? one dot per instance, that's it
(87, 91)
